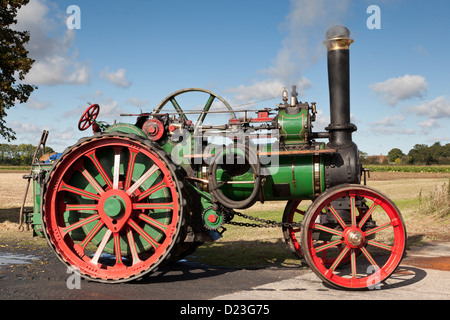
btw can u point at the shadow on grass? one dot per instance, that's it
(246, 255)
(10, 214)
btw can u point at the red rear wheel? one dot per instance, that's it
(113, 208)
(327, 247)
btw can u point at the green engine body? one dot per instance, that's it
(288, 162)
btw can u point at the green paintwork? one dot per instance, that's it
(286, 177)
(36, 215)
(296, 171)
(114, 206)
(293, 127)
(126, 128)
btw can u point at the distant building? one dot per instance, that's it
(377, 159)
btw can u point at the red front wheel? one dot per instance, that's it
(356, 224)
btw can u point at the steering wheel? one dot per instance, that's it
(88, 117)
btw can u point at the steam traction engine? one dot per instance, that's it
(131, 197)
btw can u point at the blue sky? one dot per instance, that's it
(130, 55)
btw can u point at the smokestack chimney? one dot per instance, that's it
(338, 42)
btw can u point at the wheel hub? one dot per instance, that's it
(354, 238)
(115, 208)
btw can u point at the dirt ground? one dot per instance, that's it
(384, 176)
(403, 185)
(25, 281)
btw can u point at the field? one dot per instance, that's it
(256, 247)
(415, 169)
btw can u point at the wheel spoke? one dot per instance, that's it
(142, 179)
(177, 107)
(377, 229)
(91, 155)
(116, 171)
(130, 169)
(132, 244)
(367, 215)
(353, 209)
(101, 247)
(152, 190)
(65, 187)
(326, 229)
(205, 111)
(92, 181)
(329, 245)
(92, 234)
(339, 258)
(153, 222)
(153, 206)
(353, 262)
(79, 224)
(337, 216)
(380, 245)
(117, 249)
(144, 234)
(370, 258)
(81, 207)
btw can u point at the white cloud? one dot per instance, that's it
(137, 102)
(29, 132)
(55, 62)
(438, 108)
(306, 25)
(441, 139)
(389, 121)
(117, 78)
(35, 104)
(430, 123)
(390, 125)
(109, 108)
(395, 90)
(264, 89)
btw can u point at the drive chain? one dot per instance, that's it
(264, 223)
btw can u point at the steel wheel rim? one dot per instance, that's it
(355, 240)
(122, 207)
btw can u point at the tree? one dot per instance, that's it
(14, 63)
(19, 155)
(420, 153)
(395, 154)
(363, 156)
